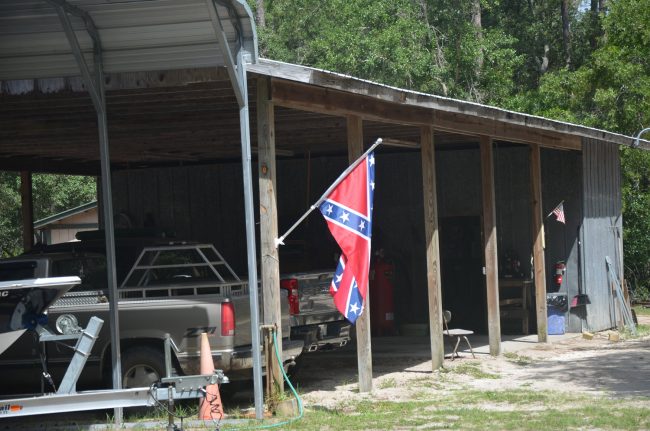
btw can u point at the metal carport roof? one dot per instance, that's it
(135, 36)
(62, 38)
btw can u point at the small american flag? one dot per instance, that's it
(558, 212)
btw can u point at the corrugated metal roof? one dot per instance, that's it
(339, 81)
(136, 35)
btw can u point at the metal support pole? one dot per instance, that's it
(170, 390)
(237, 73)
(250, 241)
(96, 89)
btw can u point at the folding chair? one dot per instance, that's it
(458, 333)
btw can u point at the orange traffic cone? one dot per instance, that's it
(210, 407)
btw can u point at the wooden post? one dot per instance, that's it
(270, 266)
(538, 243)
(433, 248)
(364, 349)
(490, 244)
(27, 209)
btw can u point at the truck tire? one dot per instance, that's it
(142, 366)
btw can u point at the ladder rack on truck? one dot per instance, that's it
(194, 271)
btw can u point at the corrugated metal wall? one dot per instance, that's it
(601, 229)
(560, 169)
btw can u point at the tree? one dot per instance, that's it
(611, 90)
(51, 194)
(426, 45)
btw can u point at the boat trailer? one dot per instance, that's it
(67, 399)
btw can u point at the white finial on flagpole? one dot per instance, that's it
(280, 240)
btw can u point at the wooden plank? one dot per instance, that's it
(270, 267)
(364, 348)
(538, 243)
(27, 209)
(477, 126)
(334, 81)
(333, 102)
(490, 245)
(433, 247)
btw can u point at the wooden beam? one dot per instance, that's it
(333, 102)
(270, 264)
(433, 248)
(490, 245)
(477, 126)
(364, 348)
(538, 243)
(27, 209)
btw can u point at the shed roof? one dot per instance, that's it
(65, 214)
(186, 116)
(337, 81)
(136, 35)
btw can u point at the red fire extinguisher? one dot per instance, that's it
(560, 269)
(382, 304)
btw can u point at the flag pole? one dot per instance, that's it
(556, 206)
(280, 240)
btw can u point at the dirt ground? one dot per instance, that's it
(574, 364)
(402, 371)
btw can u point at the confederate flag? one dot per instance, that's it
(348, 212)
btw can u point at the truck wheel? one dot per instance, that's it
(141, 367)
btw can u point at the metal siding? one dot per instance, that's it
(602, 215)
(559, 172)
(135, 36)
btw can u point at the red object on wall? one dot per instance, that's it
(382, 303)
(560, 269)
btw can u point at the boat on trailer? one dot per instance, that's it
(23, 304)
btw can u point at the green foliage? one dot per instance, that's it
(428, 46)
(56, 193)
(10, 215)
(384, 41)
(636, 201)
(51, 194)
(611, 90)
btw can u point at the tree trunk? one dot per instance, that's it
(543, 64)
(594, 6)
(261, 14)
(424, 10)
(478, 31)
(566, 31)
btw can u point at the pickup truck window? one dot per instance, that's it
(91, 270)
(22, 270)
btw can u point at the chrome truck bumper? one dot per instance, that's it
(322, 336)
(237, 364)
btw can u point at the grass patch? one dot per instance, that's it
(518, 359)
(480, 410)
(473, 409)
(640, 310)
(387, 383)
(641, 331)
(472, 369)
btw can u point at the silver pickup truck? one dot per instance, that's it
(180, 289)
(314, 317)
